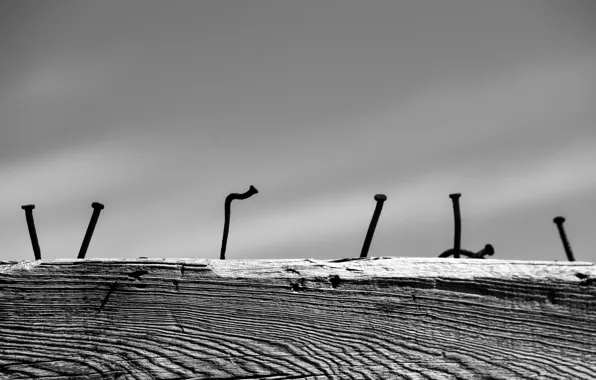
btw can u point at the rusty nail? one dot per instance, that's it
(559, 220)
(224, 241)
(97, 207)
(457, 218)
(380, 198)
(32, 233)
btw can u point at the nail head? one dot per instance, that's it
(97, 206)
(380, 197)
(28, 207)
(559, 220)
(454, 195)
(489, 249)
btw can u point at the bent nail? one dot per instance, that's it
(227, 205)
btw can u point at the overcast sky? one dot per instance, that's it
(159, 109)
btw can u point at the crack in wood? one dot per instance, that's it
(335, 281)
(107, 297)
(292, 270)
(136, 275)
(177, 322)
(298, 286)
(585, 279)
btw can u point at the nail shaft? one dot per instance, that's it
(559, 220)
(32, 233)
(457, 220)
(97, 207)
(224, 241)
(380, 198)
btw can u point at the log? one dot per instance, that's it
(370, 318)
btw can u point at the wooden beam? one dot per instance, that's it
(385, 317)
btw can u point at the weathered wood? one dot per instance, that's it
(386, 318)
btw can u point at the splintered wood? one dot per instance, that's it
(373, 318)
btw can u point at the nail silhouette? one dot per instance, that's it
(97, 207)
(32, 233)
(488, 250)
(224, 241)
(380, 198)
(457, 219)
(559, 220)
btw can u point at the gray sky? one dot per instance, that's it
(160, 109)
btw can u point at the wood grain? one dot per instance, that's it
(372, 318)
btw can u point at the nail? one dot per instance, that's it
(97, 207)
(224, 241)
(32, 233)
(559, 220)
(457, 219)
(488, 250)
(380, 198)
